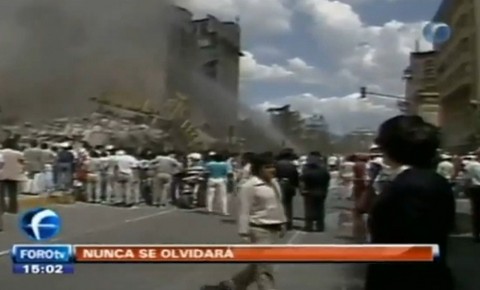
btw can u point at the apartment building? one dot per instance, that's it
(458, 74)
(219, 58)
(421, 94)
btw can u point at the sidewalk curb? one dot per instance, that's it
(29, 202)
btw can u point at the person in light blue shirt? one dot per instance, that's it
(218, 171)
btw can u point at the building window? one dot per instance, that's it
(204, 42)
(210, 69)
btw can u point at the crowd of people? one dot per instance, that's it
(396, 186)
(403, 192)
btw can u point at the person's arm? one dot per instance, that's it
(245, 203)
(21, 158)
(295, 177)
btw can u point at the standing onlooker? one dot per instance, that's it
(360, 185)
(33, 159)
(346, 175)
(11, 175)
(94, 185)
(416, 206)
(65, 166)
(472, 182)
(125, 178)
(218, 171)
(288, 177)
(261, 221)
(315, 181)
(164, 167)
(446, 168)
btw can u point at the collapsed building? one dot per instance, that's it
(192, 100)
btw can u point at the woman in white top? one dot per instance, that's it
(346, 175)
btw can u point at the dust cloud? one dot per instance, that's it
(56, 54)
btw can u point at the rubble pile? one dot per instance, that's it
(96, 129)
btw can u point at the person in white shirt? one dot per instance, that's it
(11, 175)
(109, 164)
(346, 175)
(125, 177)
(472, 180)
(261, 221)
(446, 168)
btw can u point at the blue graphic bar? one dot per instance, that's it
(43, 269)
(42, 254)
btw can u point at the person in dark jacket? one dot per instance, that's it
(315, 181)
(287, 175)
(416, 206)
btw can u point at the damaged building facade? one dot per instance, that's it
(202, 77)
(194, 100)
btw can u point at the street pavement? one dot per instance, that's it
(84, 223)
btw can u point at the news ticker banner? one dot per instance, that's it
(69, 254)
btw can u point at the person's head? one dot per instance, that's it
(194, 157)
(94, 153)
(218, 157)
(287, 154)
(263, 166)
(44, 146)
(408, 140)
(34, 143)
(351, 158)
(10, 143)
(445, 157)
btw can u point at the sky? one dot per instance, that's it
(316, 54)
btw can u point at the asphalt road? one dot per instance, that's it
(101, 224)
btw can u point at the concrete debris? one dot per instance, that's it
(96, 129)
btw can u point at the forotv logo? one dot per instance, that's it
(437, 32)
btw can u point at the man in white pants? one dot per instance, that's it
(126, 166)
(163, 167)
(218, 171)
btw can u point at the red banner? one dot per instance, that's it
(254, 253)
